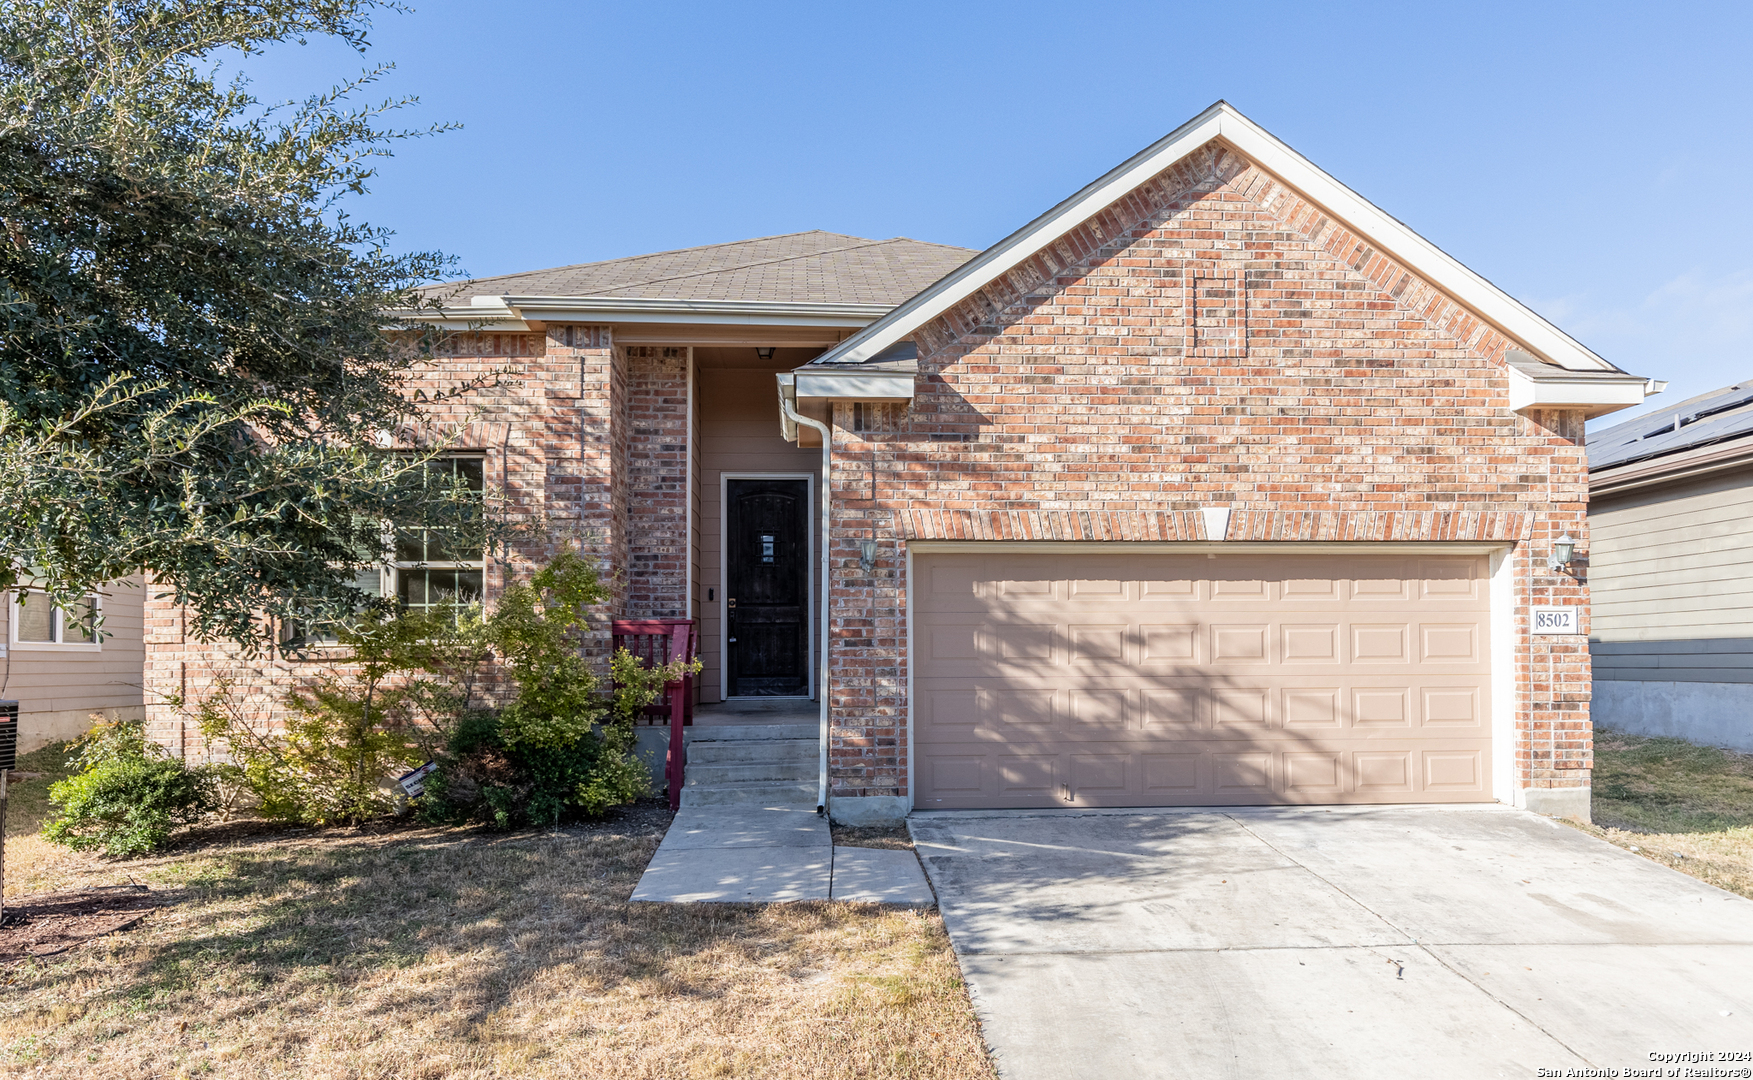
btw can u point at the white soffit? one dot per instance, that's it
(1222, 121)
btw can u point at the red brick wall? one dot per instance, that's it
(1209, 340)
(657, 482)
(552, 427)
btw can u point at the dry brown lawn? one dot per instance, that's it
(452, 953)
(1683, 805)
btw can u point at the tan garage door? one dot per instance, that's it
(1187, 680)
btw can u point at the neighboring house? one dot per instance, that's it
(1214, 484)
(61, 674)
(1671, 523)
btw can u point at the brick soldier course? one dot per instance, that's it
(1211, 336)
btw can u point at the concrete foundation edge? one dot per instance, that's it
(867, 810)
(38, 729)
(1570, 802)
(1714, 714)
(652, 746)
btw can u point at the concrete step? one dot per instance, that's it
(797, 772)
(700, 733)
(750, 793)
(753, 751)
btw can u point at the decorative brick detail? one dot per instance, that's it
(1074, 399)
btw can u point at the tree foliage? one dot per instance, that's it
(194, 374)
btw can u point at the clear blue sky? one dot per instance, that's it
(1590, 158)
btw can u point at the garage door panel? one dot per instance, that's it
(1177, 680)
(1168, 643)
(1174, 711)
(1022, 708)
(1201, 774)
(1380, 643)
(1239, 643)
(1226, 590)
(1309, 643)
(1382, 772)
(1098, 708)
(1454, 771)
(1315, 773)
(1454, 708)
(1098, 644)
(1027, 774)
(1449, 643)
(1312, 709)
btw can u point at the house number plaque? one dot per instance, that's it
(1555, 620)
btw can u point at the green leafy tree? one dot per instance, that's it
(194, 374)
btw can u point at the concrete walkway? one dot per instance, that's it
(734, 854)
(1342, 942)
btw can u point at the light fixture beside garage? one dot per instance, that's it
(1563, 553)
(867, 555)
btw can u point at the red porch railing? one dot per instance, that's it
(658, 641)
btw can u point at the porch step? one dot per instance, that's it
(750, 793)
(754, 752)
(751, 765)
(701, 733)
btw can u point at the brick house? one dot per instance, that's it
(1213, 484)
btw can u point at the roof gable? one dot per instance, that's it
(1221, 122)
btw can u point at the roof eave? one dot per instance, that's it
(1594, 393)
(533, 312)
(1690, 464)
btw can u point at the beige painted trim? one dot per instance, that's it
(1199, 547)
(1223, 121)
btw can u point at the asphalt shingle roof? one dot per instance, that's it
(1718, 416)
(806, 267)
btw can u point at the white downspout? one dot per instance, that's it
(822, 681)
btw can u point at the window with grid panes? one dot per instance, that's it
(430, 567)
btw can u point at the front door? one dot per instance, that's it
(767, 598)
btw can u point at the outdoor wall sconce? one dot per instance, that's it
(867, 555)
(765, 353)
(1563, 554)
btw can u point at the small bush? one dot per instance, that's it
(506, 705)
(129, 795)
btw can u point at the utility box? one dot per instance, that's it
(8, 735)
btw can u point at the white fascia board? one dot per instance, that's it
(1595, 395)
(477, 318)
(787, 392)
(716, 312)
(855, 386)
(1222, 121)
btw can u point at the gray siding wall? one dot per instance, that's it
(58, 688)
(1671, 580)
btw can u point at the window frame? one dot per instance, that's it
(395, 566)
(58, 618)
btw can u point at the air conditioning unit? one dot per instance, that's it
(8, 735)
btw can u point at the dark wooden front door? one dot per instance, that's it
(767, 601)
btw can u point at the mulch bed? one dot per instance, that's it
(55, 922)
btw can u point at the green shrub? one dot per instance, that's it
(129, 795)
(551, 746)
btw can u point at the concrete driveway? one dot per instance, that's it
(1333, 942)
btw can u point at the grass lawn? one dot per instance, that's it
(1684, 805)
(414, 953)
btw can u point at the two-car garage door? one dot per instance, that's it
(1193, 679)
